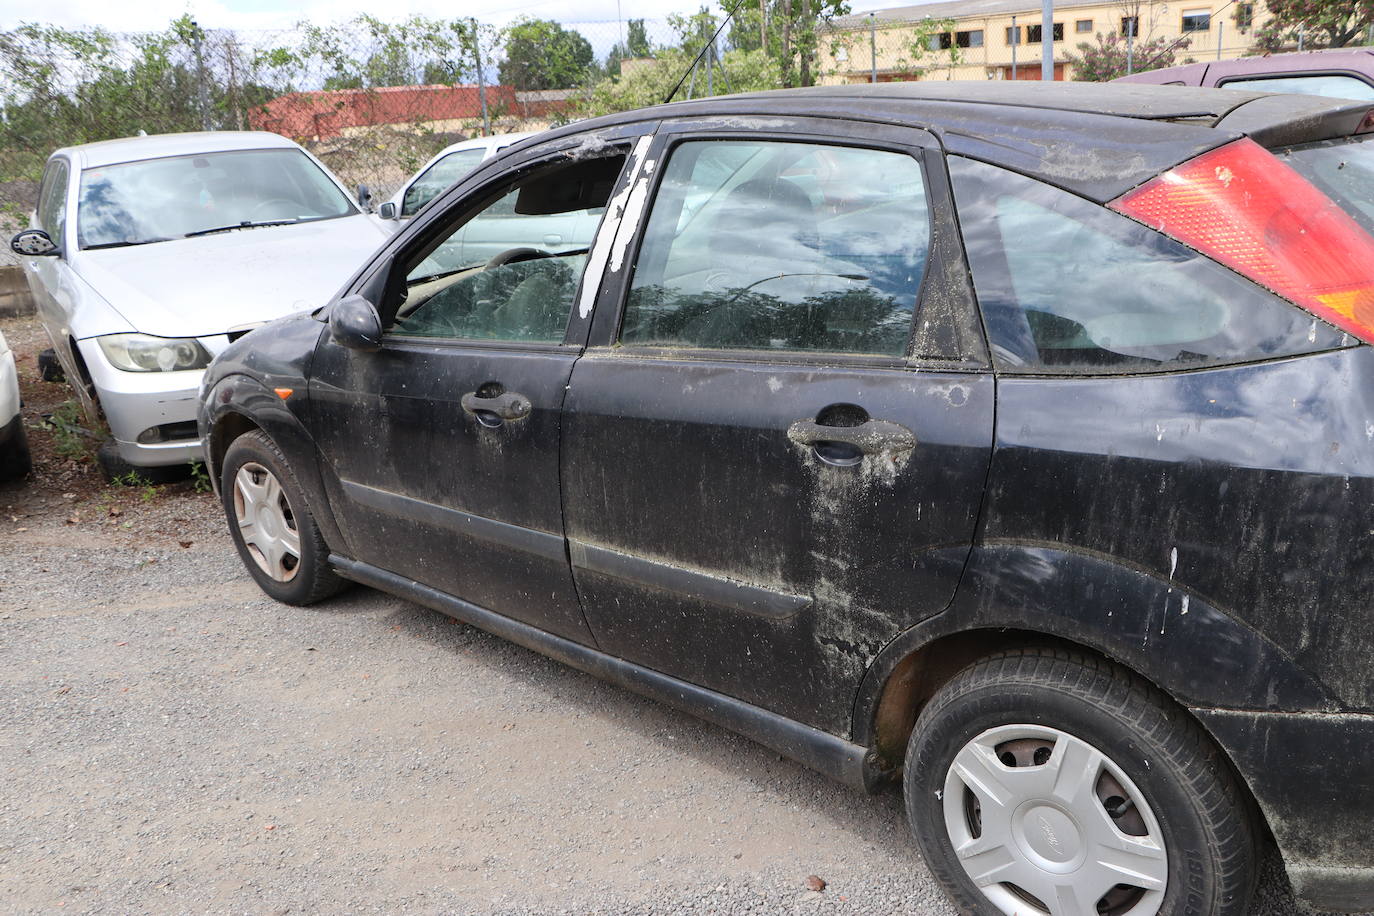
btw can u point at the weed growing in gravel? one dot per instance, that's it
(200, 480)
(70, 438)
(135, 479)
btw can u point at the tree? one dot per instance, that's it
(1108, 58)
(1323, 23)
(746, 71)
(635, 45)
(541, 54)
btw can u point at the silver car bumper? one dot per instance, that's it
(152, 415)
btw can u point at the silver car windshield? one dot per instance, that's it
(154, 200)
(1343, 169)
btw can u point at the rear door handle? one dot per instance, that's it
(844, 446)
(493, 411)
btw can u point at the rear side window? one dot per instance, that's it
(1331, 84)
(768, 245)
(1068, 286)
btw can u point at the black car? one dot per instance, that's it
(1015, 442)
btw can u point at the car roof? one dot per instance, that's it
(1358, 59)
(1098, 140)
(129, 149)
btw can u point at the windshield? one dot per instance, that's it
(153, 200)
(438, 177)
(1343, 169)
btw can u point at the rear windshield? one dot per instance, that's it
(1343, 169)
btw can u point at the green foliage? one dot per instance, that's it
(541, 54)
(1323, 23)
(1107, 59)
(366, 52)
(70, 439)
(200, 480)
(921, 48)
(649, 84)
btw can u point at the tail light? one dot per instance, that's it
(1241, 206)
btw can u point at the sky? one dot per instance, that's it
(138, 15)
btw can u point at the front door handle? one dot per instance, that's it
(494, 411)
(845, 446)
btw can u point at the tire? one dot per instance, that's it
(1051, 771)
(271, 524)
(15, 459)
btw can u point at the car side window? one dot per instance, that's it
(438, 177)
(770, 245)
(1066, 285)
(52, 203)
(510, 270)
(1328, 84)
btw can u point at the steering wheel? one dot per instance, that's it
(513, 255)
(256, 212)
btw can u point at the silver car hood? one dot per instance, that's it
(203, 286)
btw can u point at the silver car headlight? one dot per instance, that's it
(143, 353)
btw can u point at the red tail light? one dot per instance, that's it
(1243, 207)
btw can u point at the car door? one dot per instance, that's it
(769, 470)
(445, 440)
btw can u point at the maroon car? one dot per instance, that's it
(1343, 73)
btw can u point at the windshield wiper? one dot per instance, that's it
(245, 224)
(122, 244)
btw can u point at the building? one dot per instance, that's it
(1000, 39)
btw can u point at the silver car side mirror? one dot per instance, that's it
(387, 210)
(33, 243)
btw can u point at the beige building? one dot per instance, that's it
(1001, 39)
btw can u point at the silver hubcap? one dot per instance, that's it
(266, 522)
(1044, 822)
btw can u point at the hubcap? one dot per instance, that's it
(1044, 822)
(266, 522)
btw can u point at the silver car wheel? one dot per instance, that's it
(1043, 822)
(266, 522)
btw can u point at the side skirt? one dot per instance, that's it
(835, 757)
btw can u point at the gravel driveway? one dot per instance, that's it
(173, 741)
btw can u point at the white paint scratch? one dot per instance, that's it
(610, 228)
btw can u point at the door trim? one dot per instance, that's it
(728, 593)
(530, 540)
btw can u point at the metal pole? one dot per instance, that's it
(1015, 40)
(872, 49)
(1047, 41)
(1220, 26)
(1130, 46)
(710, 69)
(201, 96)
(1302, 34)
(481, 77)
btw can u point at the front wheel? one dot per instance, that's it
(1047, 782)
(271, 525)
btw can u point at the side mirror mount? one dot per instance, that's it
(365, 197)
(33, 243)
(354, 323)
(388, 211)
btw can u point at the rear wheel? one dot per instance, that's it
(1046, 782)
(273, 530)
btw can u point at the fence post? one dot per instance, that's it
(201, 97)
(481, 76)
(1047, 41)
(872, 49)
(1015, 40)
(1220, 26)
(1130, 46)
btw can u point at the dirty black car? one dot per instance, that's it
(1013, 443)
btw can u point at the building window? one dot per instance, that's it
(1245, 15)
(1013, 34)
(1130, 25)
(939, 41)
(1197, 20)
(1033, 33)
(1083, 25)
(970, 39)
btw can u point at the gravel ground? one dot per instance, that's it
(173, 741)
